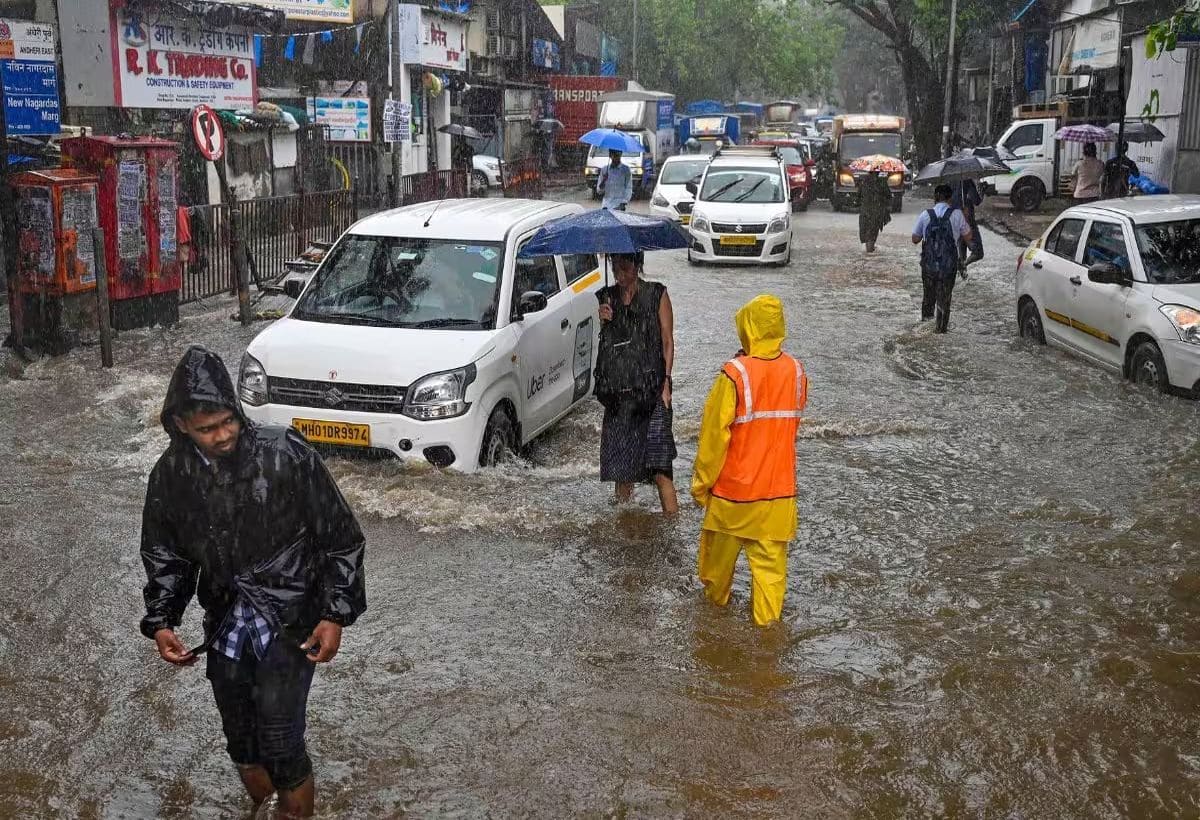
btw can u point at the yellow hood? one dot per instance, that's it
(760, 326)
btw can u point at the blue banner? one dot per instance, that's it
(666, 113)
(30, 97)
(545, 54)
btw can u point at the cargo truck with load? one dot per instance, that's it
(1041, 165)
(712, 131)
(647, 115)
(864, 135)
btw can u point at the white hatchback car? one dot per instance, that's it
(671, 199)
(1118, 282)
(424, 336)
(743, 210)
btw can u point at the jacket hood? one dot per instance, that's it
(761, 327)
(199, 376)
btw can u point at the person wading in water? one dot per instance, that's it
(874, 208)
(633, 382)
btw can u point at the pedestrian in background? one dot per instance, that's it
(874, 208)
(938, 231)
(1088, 175)
(633, 382)
(247, 517)
(1117, 172)
(745, 472)
(615, 182)
(966, 198)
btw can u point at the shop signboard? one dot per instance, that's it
(28, 68)
(319, 11)
(162, 60)
(1095, 46)
(431, 40)
(347, 118)
(545, 54)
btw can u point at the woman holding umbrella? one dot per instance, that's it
(874, 195)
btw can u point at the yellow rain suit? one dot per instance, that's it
(764, 527)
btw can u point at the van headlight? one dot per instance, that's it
(778, 224)
(660, 201)
(1186, 321)
(440, 395)
(846, 179)
(700, 223)
(253, 385)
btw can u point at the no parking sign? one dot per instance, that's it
(208, 133)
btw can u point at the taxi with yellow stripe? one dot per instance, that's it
(1117, 282)
(423, 336)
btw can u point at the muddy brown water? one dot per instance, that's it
(993, 606)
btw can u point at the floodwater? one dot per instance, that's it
(993, 607)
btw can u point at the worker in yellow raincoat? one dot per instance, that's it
(745, 473)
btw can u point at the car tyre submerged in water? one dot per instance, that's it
(1029, 322)
(1146, 367)
(499, 439)
(479, 182)
(1027, 195)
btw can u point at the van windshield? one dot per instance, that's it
(388, 281)
(854, 146)
(597, 151)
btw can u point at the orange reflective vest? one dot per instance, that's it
(760, 464)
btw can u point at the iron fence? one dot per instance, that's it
(276, 229)
(432, 185)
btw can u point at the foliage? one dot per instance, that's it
(1164, 36)
(724, 49)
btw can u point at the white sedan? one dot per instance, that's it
(671, 199)
(1118, 283)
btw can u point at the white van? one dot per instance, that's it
(422, 335)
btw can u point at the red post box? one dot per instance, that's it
(138, 197)
(56, 260)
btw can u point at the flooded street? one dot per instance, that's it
(993, 605)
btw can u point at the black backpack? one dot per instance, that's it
(939, 253)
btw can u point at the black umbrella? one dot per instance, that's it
(549, 126)
(1139, 132)
(457, 129)
(960, 167)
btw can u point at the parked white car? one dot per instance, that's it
(743, 209)
(1118, 283)
(485, 172)
(671, 198)
(422, 335)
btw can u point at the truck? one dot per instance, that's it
(710, 130)
(863, 135)
(781, 113)
(575, 103)
(647, 115)
(1041, 165)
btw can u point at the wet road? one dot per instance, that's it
(993, 607)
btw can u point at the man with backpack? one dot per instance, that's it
(939, 229)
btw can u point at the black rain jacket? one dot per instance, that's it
(267, 522)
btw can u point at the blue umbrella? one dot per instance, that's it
(613, 140)
(604, 231)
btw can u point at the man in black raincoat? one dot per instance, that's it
(247, 518)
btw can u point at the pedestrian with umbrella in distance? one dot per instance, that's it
(960, 172)
(1088, 174)
(874, 195)
(615, 182)
(637, 345)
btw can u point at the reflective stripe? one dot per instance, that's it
(750, 415)
(746, 396)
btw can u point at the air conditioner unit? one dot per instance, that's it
(511, 48)
(494, 48)
(492, 21)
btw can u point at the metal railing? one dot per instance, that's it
(276, 229)
(431, 185)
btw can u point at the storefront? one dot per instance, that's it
(433, 50)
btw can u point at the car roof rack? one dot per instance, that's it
(761, 151)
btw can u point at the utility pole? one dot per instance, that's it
(949, 79)
(397, 69)
(991, 88)
(635, 39)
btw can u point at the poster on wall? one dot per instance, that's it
(29, 71)
(78, 220)
(35, 234)
(131, 241)
(347, 118)
(397, 121)
(321, 11)
(165, 61)
(166, 211)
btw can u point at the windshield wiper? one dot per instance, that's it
(351, 319)
(750, 190)
(713, 196)
(443, 323)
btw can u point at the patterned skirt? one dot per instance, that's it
(635, 447)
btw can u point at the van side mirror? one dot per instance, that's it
(531, 301)
(1106, 273)
(292, 288)
(692, 187)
